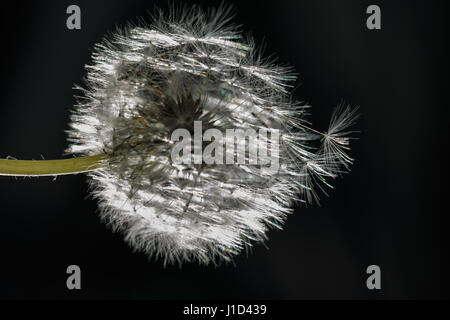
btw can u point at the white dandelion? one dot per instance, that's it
(190, 66)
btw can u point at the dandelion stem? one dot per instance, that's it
(35, 168)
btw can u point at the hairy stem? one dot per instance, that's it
(35, 168)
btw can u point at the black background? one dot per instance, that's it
(388, 211)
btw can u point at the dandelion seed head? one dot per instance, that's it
(194, 65)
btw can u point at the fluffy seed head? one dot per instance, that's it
(193, 65)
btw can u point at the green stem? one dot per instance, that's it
(35, 168)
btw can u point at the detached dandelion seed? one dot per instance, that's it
(192, 66)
